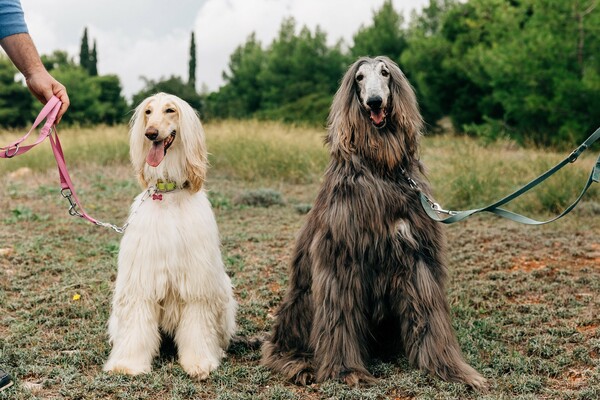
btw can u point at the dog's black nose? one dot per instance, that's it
(152, 133)
(374, 102)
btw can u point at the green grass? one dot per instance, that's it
(524, 300)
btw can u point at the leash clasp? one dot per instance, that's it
(67, 194)
(6, 152)
(438, 209)
(575, 153)
(411, 182)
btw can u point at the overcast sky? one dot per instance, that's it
(151, 38)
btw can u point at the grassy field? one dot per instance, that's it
(525, 300)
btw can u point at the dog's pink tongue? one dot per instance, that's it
(377, 116)
(156, 154)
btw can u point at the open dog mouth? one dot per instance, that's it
(158, 150)
(378, 117)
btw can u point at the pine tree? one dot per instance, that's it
(192, 63)
(93, 66)
(84, 52)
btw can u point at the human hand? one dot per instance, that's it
(43, 86)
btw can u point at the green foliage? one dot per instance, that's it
(84, 51)
(386, 36)
(94, 99)
(292, 80)
(260, 198)
(525, 69)
(16, 104)
(88, 60)
(93, 67)
(241, 96)
(298, 66)
(58, 59)
(112, 107)
(192, 62)
(312, 108)
(438, 87)
(545, 81)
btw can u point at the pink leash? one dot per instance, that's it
(49, 112)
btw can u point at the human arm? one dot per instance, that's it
(18, 45)
(21, 50)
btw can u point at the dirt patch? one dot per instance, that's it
(589, 330)
(522, 263)
(557, 256)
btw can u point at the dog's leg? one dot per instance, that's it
(198, 338)
(287, 350)
(227, 320)
(133, 329)
(427, 332)
(340, 328)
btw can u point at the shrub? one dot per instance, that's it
(260, 198)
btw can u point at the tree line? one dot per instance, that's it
(524, 69)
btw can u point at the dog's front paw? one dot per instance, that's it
(478, 382)
(349, 376)
(357, 378)
(304, 377)
(199, 369)
(127, 367)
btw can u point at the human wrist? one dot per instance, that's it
(34, 70)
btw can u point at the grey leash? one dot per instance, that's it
(434, 210)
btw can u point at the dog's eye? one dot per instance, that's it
(170, 110)
(359, 77)
(148, 112)
(385, 73)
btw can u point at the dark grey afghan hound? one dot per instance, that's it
(368, 270)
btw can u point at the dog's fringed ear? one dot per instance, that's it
(404, 109)
(137, 137)
(342, 115)
(194, 145)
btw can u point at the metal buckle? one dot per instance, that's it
(411, 182)
(13, 154)
(67, 194)
(437, 208)
(575, 153)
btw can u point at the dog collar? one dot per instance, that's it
(165, 186)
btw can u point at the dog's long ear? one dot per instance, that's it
(137, 126)
(194, 145)
(404, 109)
(344, 117)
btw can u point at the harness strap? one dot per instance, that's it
(454, 216)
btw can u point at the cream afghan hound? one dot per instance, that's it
(368, 272)
(170, 276)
